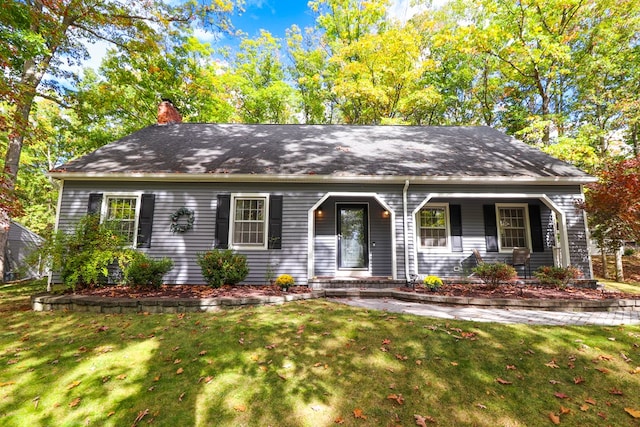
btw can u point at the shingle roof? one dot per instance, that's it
(335, 150)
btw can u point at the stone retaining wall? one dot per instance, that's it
(82, 303)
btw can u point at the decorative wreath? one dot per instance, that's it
(177, 226)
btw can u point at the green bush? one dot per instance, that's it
(140, 270)
(284, 281)
(556, 276)
(629, 251)
(494, 274)
(432, 282)
(87, 255)
(222, 267)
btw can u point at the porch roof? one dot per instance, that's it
(313, 152)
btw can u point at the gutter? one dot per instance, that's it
(406, 229)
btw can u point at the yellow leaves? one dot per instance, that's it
(240, 408)
(179, 371)
(554, 418)
(635, 413)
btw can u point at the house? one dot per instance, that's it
(20, 244)
(332, 200)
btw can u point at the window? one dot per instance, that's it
(433, 225)
(249, 221)
(513, 226)
(122, 211)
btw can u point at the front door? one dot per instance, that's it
(353, 237)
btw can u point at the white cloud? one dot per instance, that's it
(403, 10)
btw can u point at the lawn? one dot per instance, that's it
(311, 363)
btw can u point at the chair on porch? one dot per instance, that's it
(521, 257)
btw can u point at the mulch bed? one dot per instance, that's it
(189, 291)
(524, 292)
(459, 290)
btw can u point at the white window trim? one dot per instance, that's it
(232, 221)
(129, 195)
(435, 249)
(527, 224)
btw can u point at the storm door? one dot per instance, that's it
(353, 237)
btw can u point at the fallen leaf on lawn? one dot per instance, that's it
(603, 370)
(481, 406)
(121, 376)
(578, 380)
(422, 421)
(156, 378)
(564, 411)
(140, 416)
(635, 413)
(7, 383)
(73, 385)
(357, 413)
(454, 363)
(418, 362)
(392, 386)
(590, 401)
(176, 348)
(397, 397)
(624, 357)
(602, 415)
(202, 353)
(554, 382)
(616, 391)
(270, 346)
(401, 357)
(181, 396)
(560, 395)
(554, 418)
(339, 420)
(240, 408)
(511, 368)
(179, 371)
(605, 357)
(552, 364)
(175, 362)
(584, 407)
(282, 377)
(151, 388)
(75, 402)
(635, 371)
(386, 341)
(263, 368)
(111, 413)
(503, 382)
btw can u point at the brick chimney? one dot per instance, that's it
(167, 113)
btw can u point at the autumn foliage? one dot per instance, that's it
(613, 203)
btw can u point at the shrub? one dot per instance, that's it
(494, 274)
(432, 282)
(85, 256)
(284, 281)
(141, 270)
(222, 267)
(629, 251)
(556, 276)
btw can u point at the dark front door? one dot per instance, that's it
(353, 237)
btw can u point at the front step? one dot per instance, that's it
(355, 283)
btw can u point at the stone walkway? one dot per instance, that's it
(498, 315)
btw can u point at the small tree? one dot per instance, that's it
(613, 208)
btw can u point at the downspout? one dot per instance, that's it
(406, 230)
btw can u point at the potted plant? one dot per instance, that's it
(284, 281)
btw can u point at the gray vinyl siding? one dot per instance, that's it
(460, 263)
(299, 198)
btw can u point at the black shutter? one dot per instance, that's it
(222, 221)
(455, 216)
(275, 222)
(490, 228)
(535, 222)
(145, 222)
(95, 203)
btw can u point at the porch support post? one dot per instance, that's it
(565, 259)
(406, 231)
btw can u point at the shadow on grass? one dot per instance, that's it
(307, 363)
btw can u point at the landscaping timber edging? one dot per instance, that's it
(84, 303)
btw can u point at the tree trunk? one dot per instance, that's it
(619, 272)
(605, 269)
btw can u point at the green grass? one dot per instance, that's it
(630, 288)
(306, 364)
